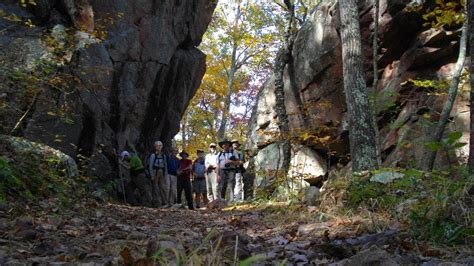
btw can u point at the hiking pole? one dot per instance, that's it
(123, 190)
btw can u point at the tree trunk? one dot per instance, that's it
(361, 130)
(230, 78)
(283, 58)
(470, 18)
(280, 108)
(430, 155)
(373, 96)
(228, 98)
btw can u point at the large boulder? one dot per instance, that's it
(306, 167)
(307, 164)
(266, 164)
(132, 68)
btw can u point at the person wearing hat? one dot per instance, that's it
(184, 179)
(199, 180)
(132, 167)
(239, 173)
(210, 162)
(158, 173)
(226, 168)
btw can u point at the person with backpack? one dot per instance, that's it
(158, 172)
(211, 175)
(184, 179)
(226, 169)
(199, 180)
(173, 166)
(132, 166)
(239, 173)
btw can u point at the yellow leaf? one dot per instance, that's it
(305, 136)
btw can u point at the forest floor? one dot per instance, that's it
(93, 232)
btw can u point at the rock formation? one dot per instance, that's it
(315, 98)
(133, 66)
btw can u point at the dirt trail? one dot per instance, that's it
(111, 233)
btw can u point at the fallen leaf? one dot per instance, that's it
(127, 256)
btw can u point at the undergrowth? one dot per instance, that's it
(28, 177)
(436, 207)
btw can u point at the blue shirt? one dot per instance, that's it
(173, 165)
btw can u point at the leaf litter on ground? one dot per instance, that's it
(250, 234)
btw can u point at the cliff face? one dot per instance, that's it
(133, 67)
(315, 98)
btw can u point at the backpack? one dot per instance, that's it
(147, 164)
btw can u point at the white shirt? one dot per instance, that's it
(211, 160)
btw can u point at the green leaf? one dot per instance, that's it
(434, 146)
(68, 121)
(414, 173)
(451, 5)
(454, 136)
(251, 260)
(455, 234)
(459, 145)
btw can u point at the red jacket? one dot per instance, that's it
(183, 164)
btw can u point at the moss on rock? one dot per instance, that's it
(30, 172)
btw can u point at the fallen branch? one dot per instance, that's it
(236, 248)
(6, 28)
(25, 115)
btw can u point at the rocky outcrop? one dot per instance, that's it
(131, 66)
(314, 87)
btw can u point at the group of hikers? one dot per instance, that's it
(161, 181)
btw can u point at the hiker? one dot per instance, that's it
(184, 179)
(173, 166)
(158, 172)
(239, 173)
(124, 174)
(199, 180)
(226, 168)
(136, 171)
(211, 174)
